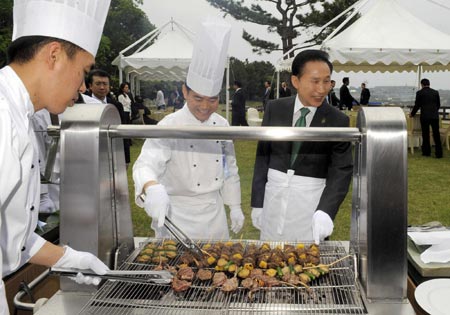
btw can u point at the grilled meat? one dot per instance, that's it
(204, 274)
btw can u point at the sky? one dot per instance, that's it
(190, 13)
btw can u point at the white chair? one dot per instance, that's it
(253, 117)
(445, 135)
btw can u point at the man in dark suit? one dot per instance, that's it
(238, 106)
(344, 94)
(298, 187)
(332, 98)
(268, 93)
(285, 91)
(365, 95)
(428, 101)
(99, 88)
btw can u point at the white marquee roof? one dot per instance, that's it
(386, 38)
(167, 59)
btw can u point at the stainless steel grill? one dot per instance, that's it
(334, 293)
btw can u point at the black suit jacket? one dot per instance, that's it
(428, 101)
(238, 102)
(330, 160)
(345, 97)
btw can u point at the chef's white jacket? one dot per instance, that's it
(196, 173)
(19, 178)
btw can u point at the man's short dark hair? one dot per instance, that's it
(268, 82)
(98, 73)
(345, 80)
(425, 82)
(238, 83)
(25, 48)
(306, 56)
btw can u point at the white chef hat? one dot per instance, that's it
(207, 66)
(77, 21)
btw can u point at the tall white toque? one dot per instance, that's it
(207, 66)
(77, 21)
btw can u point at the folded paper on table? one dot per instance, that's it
(439, 253)
(430, 238)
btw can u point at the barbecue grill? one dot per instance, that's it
(95, 216)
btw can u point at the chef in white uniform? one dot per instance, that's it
(48, 59)
(190, 180)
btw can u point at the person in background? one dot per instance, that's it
(139, 104)
(238, 106)
(99, 83)
(428, 101)
(365, 95)
(268, 93)
(189, 180)
(160, 101)
(332, 98)
(284, 91)
(125, 100)
(46, 66)
(344, 94)
(298, 187)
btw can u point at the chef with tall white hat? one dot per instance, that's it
(190, 180)
(54, 45)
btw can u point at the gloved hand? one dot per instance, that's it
(322, 226)
(46, 205)
(157, 203)
(237, 219)
(256, 217)
(82, 260)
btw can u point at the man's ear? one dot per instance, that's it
(185, 91)
(295, 81)
(53, 53)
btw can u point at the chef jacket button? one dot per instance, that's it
(214, 123)
(192, 146)
(217, 178)
(32, 165)
(39, 160)
(198, 184)
(217, 161)
(217, 141)
(195, 165)
(32, 208)
(23, 248)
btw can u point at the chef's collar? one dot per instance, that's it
(299, 105)
(18, 89)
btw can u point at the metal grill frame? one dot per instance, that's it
(335, 293)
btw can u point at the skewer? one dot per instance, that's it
(295, 286)
(330, 264)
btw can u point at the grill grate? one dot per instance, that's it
(334, 293)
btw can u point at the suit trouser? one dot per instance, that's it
(238, 119)
(426, 147)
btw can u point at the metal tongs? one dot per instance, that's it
(185, 241)
(160, 276)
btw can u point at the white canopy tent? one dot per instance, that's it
(386, 38)
(166, 59)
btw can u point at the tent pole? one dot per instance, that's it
(278, 83)
(419, 76)
(227, 91)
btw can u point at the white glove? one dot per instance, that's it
(82, 260)
(237, 219)
(322, 226)
(157, 203)
(46, 205)
(256, 217)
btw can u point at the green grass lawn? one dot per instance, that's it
(428, 192)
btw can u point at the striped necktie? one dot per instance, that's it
(301, 122)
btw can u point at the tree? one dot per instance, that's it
(296, 16)
(125, 24)
(6, 22)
